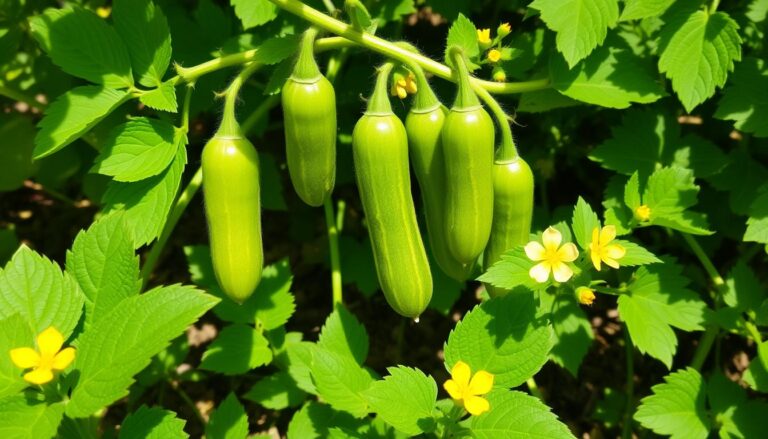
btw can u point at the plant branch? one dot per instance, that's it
(333, 245)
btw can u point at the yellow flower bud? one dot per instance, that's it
(504, 30)
(484, 36)
(104, 11)
(585, 295)
(499, 75)
(494, 55)
(643, 213)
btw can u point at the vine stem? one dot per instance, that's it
(713, 6)
(508, 150)
(626, 432)
(333, 244)
(395, 52)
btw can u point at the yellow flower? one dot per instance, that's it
(553, 257)
(484, 36)
(467, 392)
(504, 30)
(586, 296)
(103, 11)
(494, 55)
(601, 251)
(49, 358)
(410, 84)
(398, 90)
(643, 213)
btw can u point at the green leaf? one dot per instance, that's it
(512, 271)
(359, 16)
(61, 124)
(697, 52)
(724, 394)
(571, 332)
(299, 362)
(138, 149)
(745, 100)
(584, 222)
(757, 223)
(276, 392)
(152, 423)
(237, 349)
(503, 337)
(229, 421)
(677, 407)
(24, 419)
(758, 10)
(343, 334)
(744, 421)
(463, 33)
(744, 178)
(35, 287)
(314, 421)
(616, 212)
(756, 374)
(632, 192)
(121, 344)
(392, 10)
(743, 288)
(658, 298)
(83, 45)
(162, 98)
(405, 399)
(14, 333)
(147, 202)
(609, 77)
(669, 192)
(698, 154)
(639, 9)
(515, 414)
(103, 262)
(16, 165)
(271, 304)
(254, 13)
(340, 381)
(635, 255)
(144, 30)
(581, 25)
(544, 100)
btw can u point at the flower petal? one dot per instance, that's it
(453, 389)
(540, 272)
(39, 376)
(534, 251)
(615, 251)
(460, 373)
(595, 256)
(595, 237)
(613, 263)
(608, 234)
(25, 357)
(481, 383)
(568, 252)
(562, 272)
(63, 359)
(476, 405)
(551, 238)
(50, 341)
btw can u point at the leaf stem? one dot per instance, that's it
(713, 6)
(534, 388)
(333, 245)
(395, 52)
(626, 432)
(706, 262)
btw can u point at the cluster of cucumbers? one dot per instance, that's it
(475, 202)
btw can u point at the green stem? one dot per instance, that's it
(391, 50)
(229, 125)
(754, 332)
(465, 96)
(705, 345)
(709, 267)
(20, 97)
(425, 99)
(333, 244)
(713, 6)
(329, 6)
(341, 206)
(185, 397)
(534, 388)
(379, 101)
(306, 68)
(630, 386)
(508, 150)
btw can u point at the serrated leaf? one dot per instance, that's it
(743, 288)
(743, 422)
(745, 100)
(299, 362)
(105, 265)
(83, 45)
(616, 212)
(237, 349)
(254, 13)
(581, 25)
(515, 414)
(635, 254)
(343, 334)
(744, 178)
(14, 333)
(228, 421)
(632, 192)
(74, 113)
(405, 399)
(668, 194)
(503, 337)
(271, 304)
(511, 271)
(138, 149)
(544, 100)
(121, 344)
(162, 98)
(340, 381)
(698, 50)
(677, 407)
(571, 331)
(657, 299)
(393, 10)
(584, 222)
(314, 421)
(698, 154)
(276, 392)
(609, 77)
(463, 33)
(146, 203)
(152, 423)
(24, 419)
(757, 223)
(34, 287)
(144, 30)
(637, 144)
(639, 9)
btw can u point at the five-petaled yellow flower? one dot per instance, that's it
(484, 36)
(586, 295)
(466, 391)
(494, 55)
(601, 251)
(553, 257)
(49, 358)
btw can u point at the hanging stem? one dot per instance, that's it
(229, 125)
(507, 150)
(333, 245)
